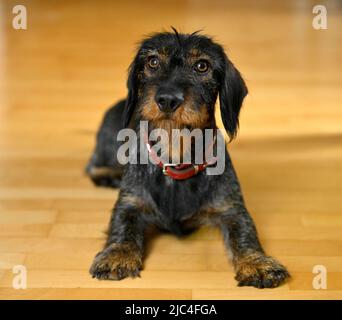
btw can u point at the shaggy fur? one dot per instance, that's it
(174, 82)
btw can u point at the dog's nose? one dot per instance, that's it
(169, 102)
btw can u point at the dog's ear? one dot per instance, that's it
(132, 97)
(232, 92)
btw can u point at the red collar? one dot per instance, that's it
(181, 171)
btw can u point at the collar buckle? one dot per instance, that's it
(166, 165)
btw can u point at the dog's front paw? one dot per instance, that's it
(117, 261)
(260, 271)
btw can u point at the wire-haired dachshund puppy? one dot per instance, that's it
(173, 83)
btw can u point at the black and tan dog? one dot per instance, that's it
(173, 83)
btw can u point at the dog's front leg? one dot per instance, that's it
(252, 266)
(123, 252)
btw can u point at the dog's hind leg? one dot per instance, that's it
(103, 167)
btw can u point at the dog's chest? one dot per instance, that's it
(176, 201)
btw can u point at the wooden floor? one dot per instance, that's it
(58, 77)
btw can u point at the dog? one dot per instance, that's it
(173, 83)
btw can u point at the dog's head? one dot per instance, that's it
(175, 79)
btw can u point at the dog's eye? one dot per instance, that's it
(153, 62)
(201, 66)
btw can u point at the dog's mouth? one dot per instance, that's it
(151, 112)
(166, 115)
(185, 116)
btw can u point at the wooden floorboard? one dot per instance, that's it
(58, 77)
